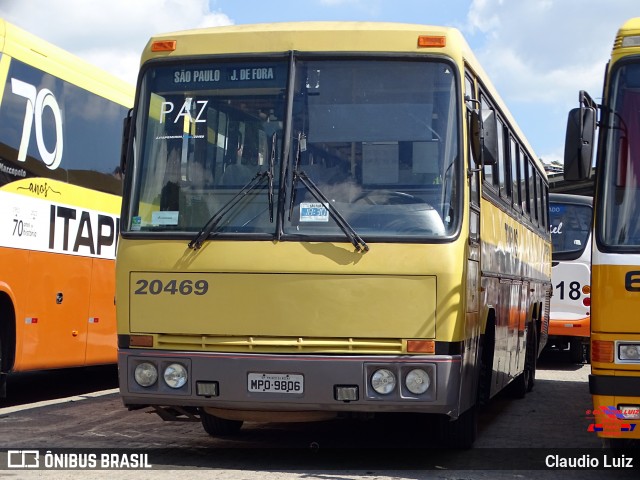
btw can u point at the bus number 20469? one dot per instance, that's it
(172, 287)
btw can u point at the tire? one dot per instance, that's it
(3, 377)
(219, 427)
(486, 366)
(459, 433)
(576, 354)
(526, 380)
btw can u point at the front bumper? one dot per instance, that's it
(322, 375)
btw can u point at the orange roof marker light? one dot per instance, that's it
(426, 41)
(164, 45)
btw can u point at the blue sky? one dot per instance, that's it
(539, 53)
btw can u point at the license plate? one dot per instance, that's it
(275, 383)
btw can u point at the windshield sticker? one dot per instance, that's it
(313, 212)
(164, 218)
(136, 224)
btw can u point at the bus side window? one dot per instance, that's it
(524, 193)
(503, 164)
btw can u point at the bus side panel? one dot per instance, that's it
(54, 321)
(13, 283)
(101, 338)
(569, 315)
(614, 300)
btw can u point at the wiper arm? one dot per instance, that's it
(355, 239)
(272, 161)
(348, 230)
(208, 227)
(296, 169)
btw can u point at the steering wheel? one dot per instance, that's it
(387, 197)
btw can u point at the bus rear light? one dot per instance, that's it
(421, 346)
(586, 289)
(164, 46)
(629, 351)
(426, 41)
(602, 351)
(586, 301)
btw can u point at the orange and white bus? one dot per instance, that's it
(569, 322)
(327, 219)
(614, 382)
(60, 188)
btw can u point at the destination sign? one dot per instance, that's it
(220, 76)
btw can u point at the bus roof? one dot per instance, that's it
(307, 36)
(339, 37)
(28, 48)
(627, 39)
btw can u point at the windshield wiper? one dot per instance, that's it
(355, 239)
(272, 161)
(208, 227)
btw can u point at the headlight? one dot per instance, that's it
(629, 351)
(417, 381)
(175, 375)
(383, 381)
(145, 374)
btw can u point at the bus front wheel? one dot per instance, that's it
(219, 427)
(459, 433)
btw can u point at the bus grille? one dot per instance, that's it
(210, 343)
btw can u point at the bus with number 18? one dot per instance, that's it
(569, 323)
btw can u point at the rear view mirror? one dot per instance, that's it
(484, 137)
(578, 146)
(126, 132)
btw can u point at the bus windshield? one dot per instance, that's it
(378, 137)
(570, 229)
(621, 203)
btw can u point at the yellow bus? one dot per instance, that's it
(615, 284)
(306, 235)
(60, 188)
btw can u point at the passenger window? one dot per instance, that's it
(503, 167)
(515, 175)
(532, 192)
(490, 173)
(524, 195)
